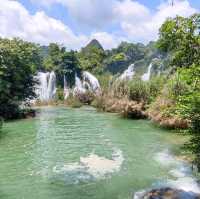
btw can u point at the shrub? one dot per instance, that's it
(104, 80)
(60, 94)
(99, 103)
(155, 86)
(119, 89)
(138, 90)
(85, 98)
(73, 102)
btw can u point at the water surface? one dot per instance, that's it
(82, 154)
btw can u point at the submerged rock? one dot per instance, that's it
(167, 193)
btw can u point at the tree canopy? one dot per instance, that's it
(18, 63)
(180, 37)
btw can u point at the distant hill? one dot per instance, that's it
(93, 44)
(95, 59)
(118, 59)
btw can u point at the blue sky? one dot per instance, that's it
(74, 23)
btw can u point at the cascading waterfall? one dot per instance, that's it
(46, 90)
(79, 89)
(91, 81)
(51, 91)
(66, 89)
(88, 83)
(147, 75)
(128, 74)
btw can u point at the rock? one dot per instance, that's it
(167, 193)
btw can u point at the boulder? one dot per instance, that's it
(167, 193)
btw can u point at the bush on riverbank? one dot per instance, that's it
(164, 110)
(73, 102)
(130, 99)
(141, 91)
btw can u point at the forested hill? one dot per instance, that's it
(97, 60)
(118, 59)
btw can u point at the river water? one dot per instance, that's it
(68, 153)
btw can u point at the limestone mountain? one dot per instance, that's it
(93, 44)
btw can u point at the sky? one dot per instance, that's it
(73, 23)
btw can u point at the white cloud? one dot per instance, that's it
(93, 13)
(135, 20)
(144, 27)
(16, 21)
(90, 13)
(130, 11)
(132, 21)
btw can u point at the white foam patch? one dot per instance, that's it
(92, 167)
(165, 158)
(180, 170)
(180, 176)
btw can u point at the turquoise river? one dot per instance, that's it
(68, 153)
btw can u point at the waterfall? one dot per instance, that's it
(46, 90)
(147, 75)
(66, 89)
(91, 82)
(51, 91)
(88, 83)
(79, 88)
(128, 74)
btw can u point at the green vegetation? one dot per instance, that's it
(73, 102)
(63, 63)
(118, 59)
(145, 91)
(91, 57)
(18, 62)
(180, 37)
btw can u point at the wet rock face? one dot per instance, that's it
(168, 193)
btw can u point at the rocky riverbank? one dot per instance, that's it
(167, 193)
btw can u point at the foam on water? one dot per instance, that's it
(180, 170)
(180, 175)
(91, 167)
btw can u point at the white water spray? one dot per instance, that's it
(46, 90)
(147, 75)
(79, 89)
(88, 83)
(92, 81)
(66, 89)
(128, 74)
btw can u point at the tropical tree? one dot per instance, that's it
(18, 63)
(180, 37)
(63, 63)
